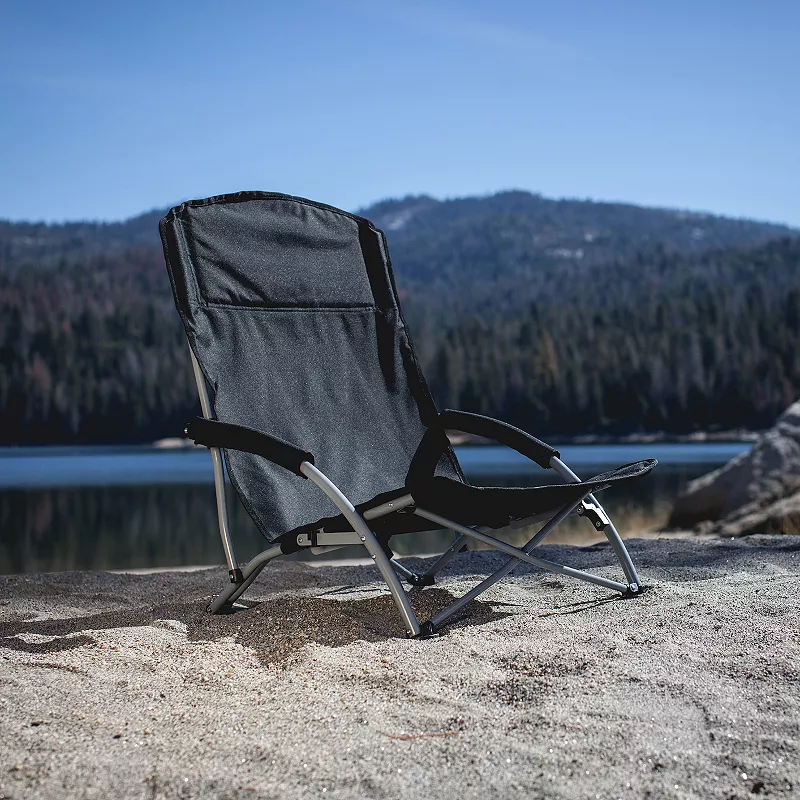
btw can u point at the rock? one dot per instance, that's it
(706, 497)
(780, 517)
(750, 485)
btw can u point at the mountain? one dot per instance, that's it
(561, 316)
(40, 245)
(506, 234)
(500, 237)
(500, 250)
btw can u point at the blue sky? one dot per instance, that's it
(111, 109)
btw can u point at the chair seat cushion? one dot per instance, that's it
(489, 506)
(496, 507)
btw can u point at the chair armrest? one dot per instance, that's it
(501, 432)
(211, 433)
(435, 442)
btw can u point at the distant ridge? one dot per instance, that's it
(509, 230)
(506, 236)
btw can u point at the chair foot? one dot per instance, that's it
(232, 607)
(415, 579)
(427, 631)
(235, 575)
(634, 590)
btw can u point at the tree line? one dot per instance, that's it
(662, 344)
(92, 350)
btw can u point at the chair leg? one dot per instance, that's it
(460, 545)
(219, 473)
(445, 558)
(250, 572)
(370, 542)
(521, 555)
(436, 621)
(621, 552)
(614, 539)
(611, 533)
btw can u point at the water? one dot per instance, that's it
(125, 508)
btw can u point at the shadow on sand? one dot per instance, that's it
(276, 628)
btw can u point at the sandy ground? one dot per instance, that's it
(117, 686)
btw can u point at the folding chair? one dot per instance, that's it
(310, 386)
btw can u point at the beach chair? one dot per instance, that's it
(310, 387)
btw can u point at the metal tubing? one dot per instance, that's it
(563, 470)
(369, 541)
(615, 540)
(509, 566)
(219, 469)
(510, 550)
(557, 518)
(222, 508)
(610, 531)
(446, 557)
(455, 548)
(250, 572)
(403, 572)
(389, 508)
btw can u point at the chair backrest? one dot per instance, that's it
(291, 310)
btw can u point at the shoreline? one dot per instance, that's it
(456, 440)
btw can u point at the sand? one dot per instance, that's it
(118, 686)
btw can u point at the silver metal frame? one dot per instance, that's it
(241, 576)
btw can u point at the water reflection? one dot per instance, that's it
(47, 530)
(146, 526)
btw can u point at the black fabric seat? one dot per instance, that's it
(497, 506)
(488, 506)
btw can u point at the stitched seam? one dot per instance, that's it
(193, 270)
(301, 309)
(255, 195)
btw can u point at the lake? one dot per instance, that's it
(139, 507)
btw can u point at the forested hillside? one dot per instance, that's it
(506, 240)
(662, 342)
(563, 317)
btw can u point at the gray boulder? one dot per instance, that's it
(780, 517)
(741, 495)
